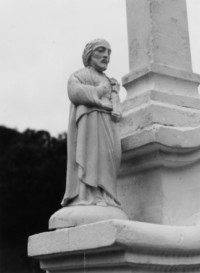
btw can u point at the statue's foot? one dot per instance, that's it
(72, 216)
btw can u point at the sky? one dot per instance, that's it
(41, 46)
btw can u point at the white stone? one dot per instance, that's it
(168, 138)
(118, 246)
(158, 33)
(160, 130)
(72, 216)
(159, 176)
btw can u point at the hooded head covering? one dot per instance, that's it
(90, 47)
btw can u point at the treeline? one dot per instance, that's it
(32, 183)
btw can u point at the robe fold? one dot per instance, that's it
(94, 147)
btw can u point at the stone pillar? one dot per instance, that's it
(158, 34)
(160, 171)
(160, 174)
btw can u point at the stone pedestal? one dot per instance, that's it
(160, 172)
(118, 246)
(73, 216)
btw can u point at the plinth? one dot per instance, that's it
(73, 216)
(160, 171)
(118, 246)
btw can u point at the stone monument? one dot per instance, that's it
(161, 129)
(158, 185)
(94, 145)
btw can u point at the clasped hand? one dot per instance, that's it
(115, 85)
(103, 89)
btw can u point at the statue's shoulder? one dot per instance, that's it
(82, 74)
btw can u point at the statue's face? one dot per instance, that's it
(100, 58)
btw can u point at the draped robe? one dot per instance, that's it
(94, 147)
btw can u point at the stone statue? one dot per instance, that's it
(94, 146)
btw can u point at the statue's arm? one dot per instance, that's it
(117, 110)
(83, 94)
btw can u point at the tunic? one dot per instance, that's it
(94, 146)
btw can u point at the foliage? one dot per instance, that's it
(32, 181)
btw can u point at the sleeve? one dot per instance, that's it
(82, 94)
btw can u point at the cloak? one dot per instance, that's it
(94, 146)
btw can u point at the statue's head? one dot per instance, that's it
(97, 54)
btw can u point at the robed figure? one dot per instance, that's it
(94, 147)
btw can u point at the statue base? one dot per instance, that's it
(72, 216)
(118, 246)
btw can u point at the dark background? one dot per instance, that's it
(32, 184)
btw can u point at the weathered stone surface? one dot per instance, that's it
(160, 175)
(182, 140)
(162, 70)
(163, 195)
(156, 98)
(94, 145)
(159, 113)
(160, 129)
(158, 33)
(73, 216)
(118, 246)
